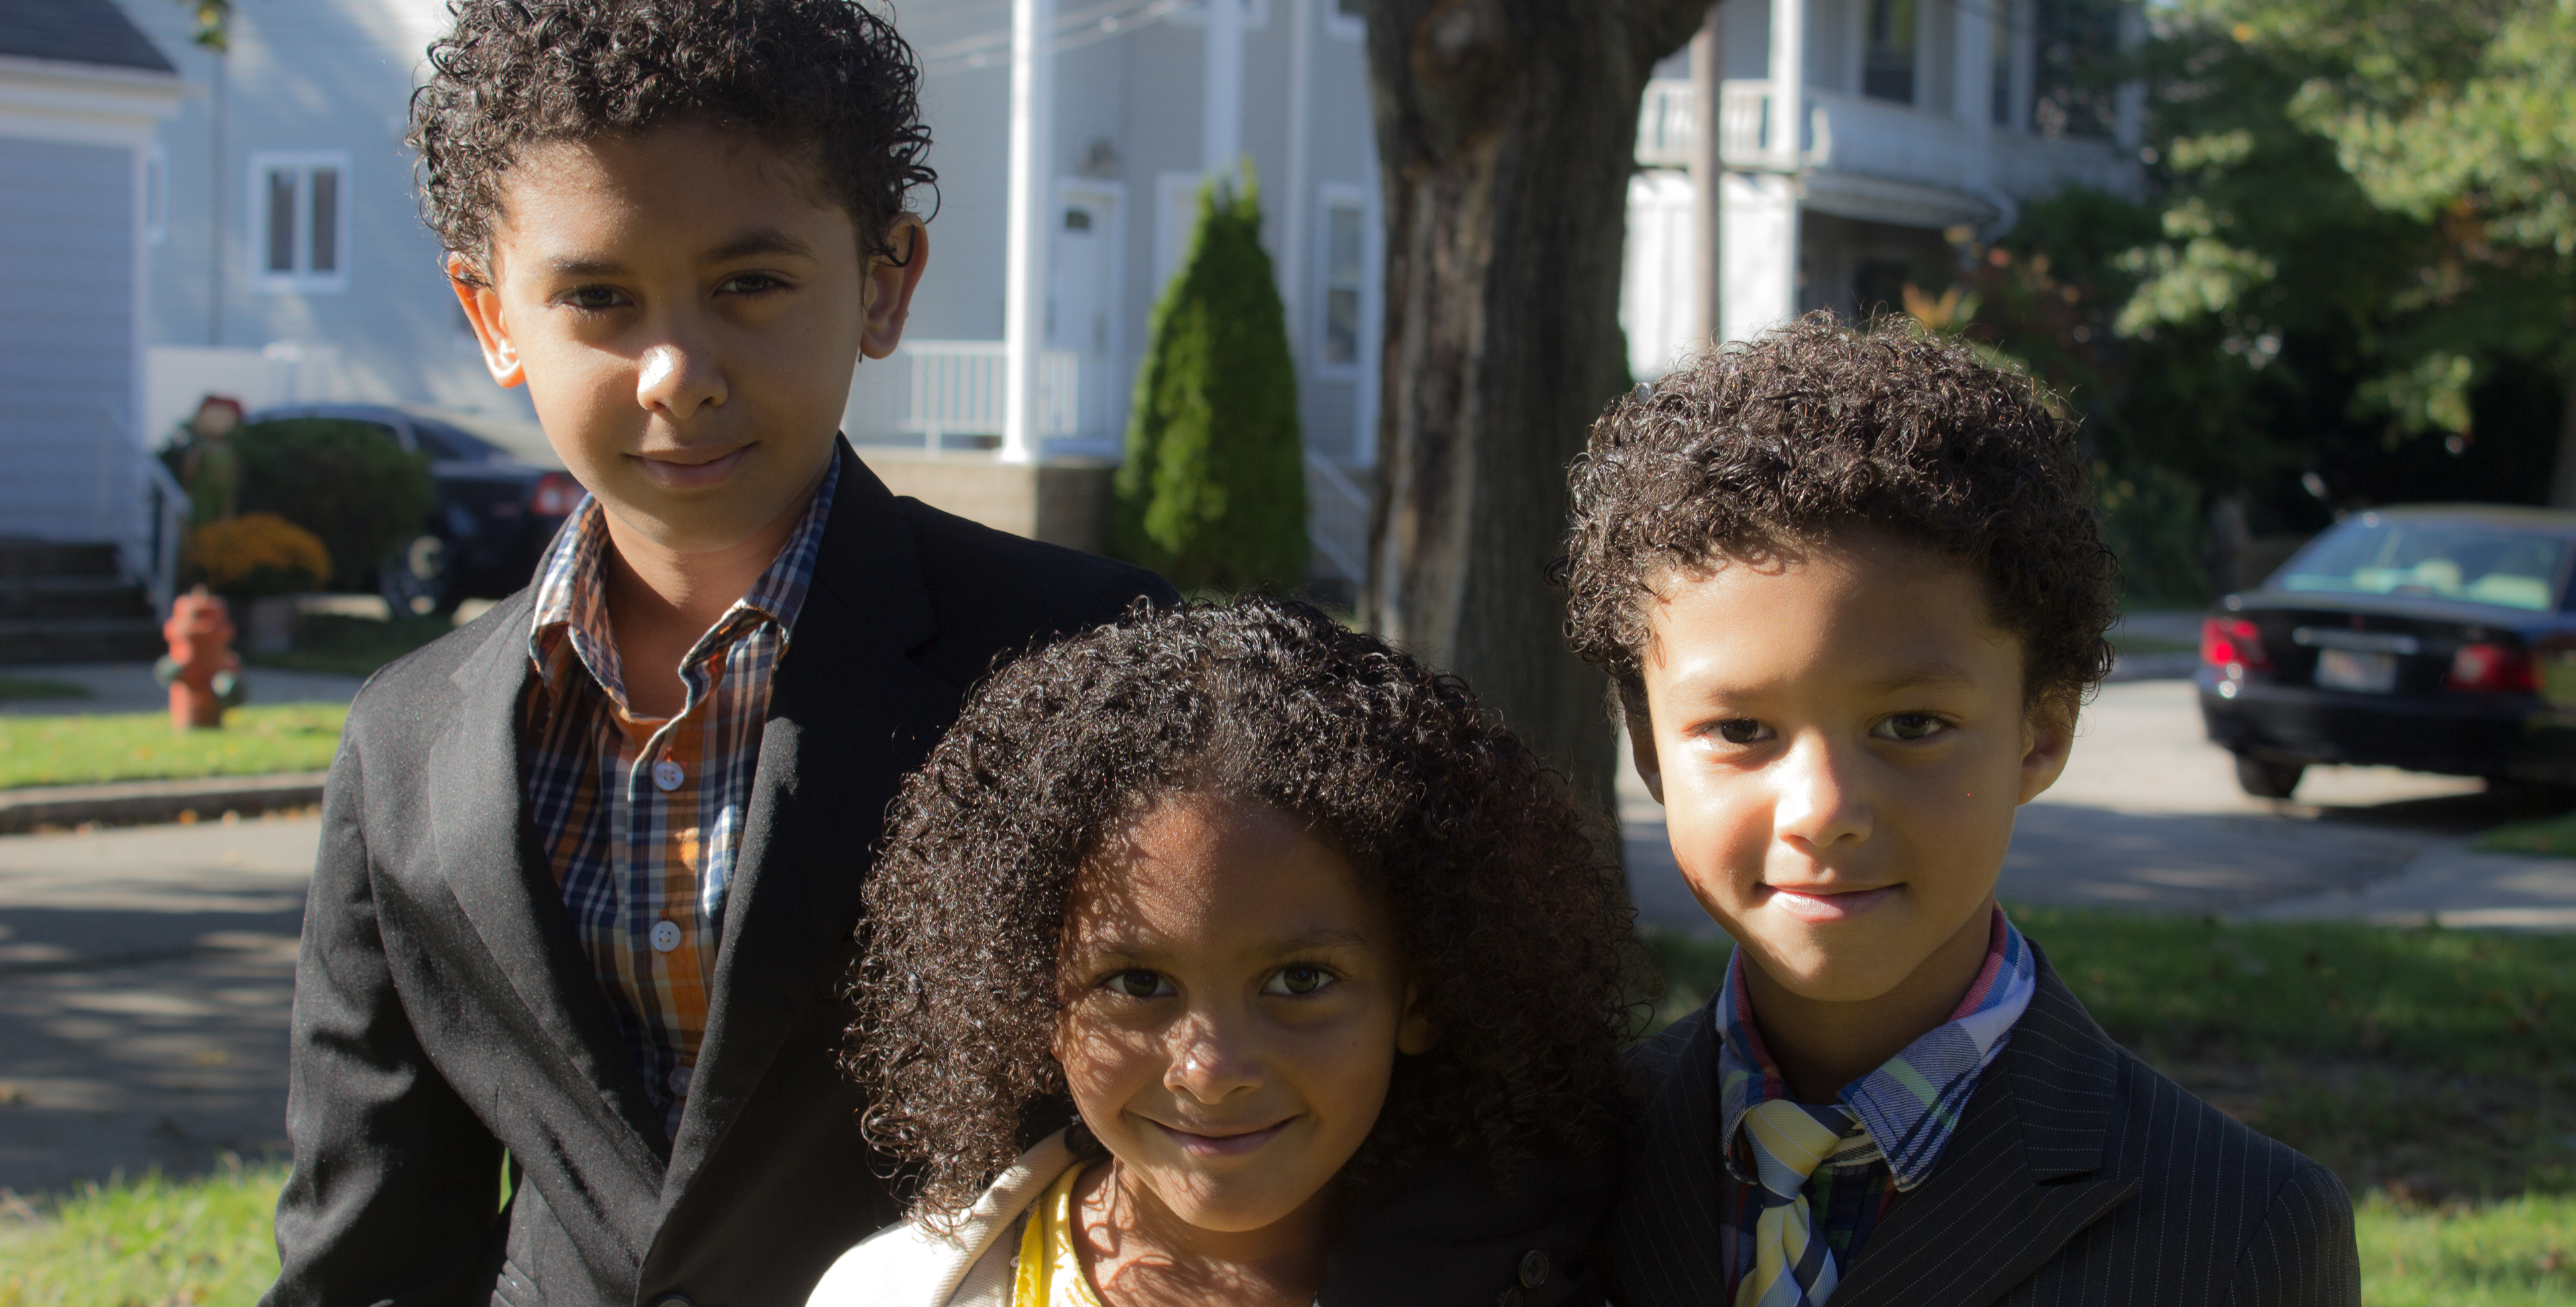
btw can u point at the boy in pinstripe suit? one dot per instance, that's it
(1852, 594)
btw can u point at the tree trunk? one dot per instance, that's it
(1507, 130)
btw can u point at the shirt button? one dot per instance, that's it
(1534, 1269)
(680, 1077)
(666, 935)
(667, 775)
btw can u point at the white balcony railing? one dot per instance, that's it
(938, 392)
(1667, 123)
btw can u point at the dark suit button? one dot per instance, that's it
(1533, 1268)
(1510, 1297)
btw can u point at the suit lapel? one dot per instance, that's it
(1665, 1248)
(844, 712)
(489, 859)
(2012, 1186)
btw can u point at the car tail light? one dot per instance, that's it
(2494, 668)
(2232, 640)
(557, 495)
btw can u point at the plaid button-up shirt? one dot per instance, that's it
(1911, 1104)
(641, 818)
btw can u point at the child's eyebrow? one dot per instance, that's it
(1935, 673)
(763, 240)
(1317, 939)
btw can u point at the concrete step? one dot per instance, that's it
(20, 556)
(51, 598)
(81, 640)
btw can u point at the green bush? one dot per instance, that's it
(1213, 491)
(346, 482)
(2151, 519)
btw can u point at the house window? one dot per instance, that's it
(1887, 62)
(1347, 19)
(1344, 281)
(299, 226)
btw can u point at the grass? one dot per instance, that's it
(2507, 1254)
(2552, 837)
(145, 1243)
(30, 687)
(351, 646)
(2431, 1064)
(141, 746)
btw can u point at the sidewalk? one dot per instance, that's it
(130, 688)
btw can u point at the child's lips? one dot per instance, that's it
(677, 471)
(1818, 903)
(1222, 1145)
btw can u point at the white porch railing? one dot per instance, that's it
(1667, 123)
(1337, 518)
(936, 391)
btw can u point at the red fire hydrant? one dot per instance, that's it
(201, 670)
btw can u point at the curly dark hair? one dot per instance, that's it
(1518, 940)
(828, 78)
(1813, 430)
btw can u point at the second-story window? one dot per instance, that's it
(1887, 62)
(299, 226)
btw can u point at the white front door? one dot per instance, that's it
(1083, 302)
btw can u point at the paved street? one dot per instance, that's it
(145, 973)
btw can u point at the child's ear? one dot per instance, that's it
(2047, 737)
(1641, 741)
(482, 306)
(1414, 1034)
(889, 285)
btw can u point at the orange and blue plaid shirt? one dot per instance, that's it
(1910, 1105)
(641, 818)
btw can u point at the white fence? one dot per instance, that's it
(1337, 518)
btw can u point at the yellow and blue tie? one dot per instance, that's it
(1792, 1267)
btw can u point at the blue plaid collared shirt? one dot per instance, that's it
(641, 818)
(1911, 1104)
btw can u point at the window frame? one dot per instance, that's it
(1330, 196)
(256, 231)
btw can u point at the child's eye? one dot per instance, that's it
(1910, 726)
(1303, 978)
(594, 299)
(749, 283)
(1743, 730)
(1137, 982)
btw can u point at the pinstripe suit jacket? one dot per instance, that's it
(2077, 1176)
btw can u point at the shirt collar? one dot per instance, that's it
(1911, 1103)
(571, 602)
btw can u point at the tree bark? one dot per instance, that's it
(1507, 130)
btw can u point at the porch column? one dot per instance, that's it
(1758, 210)
(1221, 113)
(1973, 76)
(1032, 202)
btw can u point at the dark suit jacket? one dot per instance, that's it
(444, 1011)
(2077, 1175)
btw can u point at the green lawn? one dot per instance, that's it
(83, 750)
(146, 1243)
(2555, 837)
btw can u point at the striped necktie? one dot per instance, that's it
(1792, 1267)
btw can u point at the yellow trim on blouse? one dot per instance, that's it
(1051, 1273)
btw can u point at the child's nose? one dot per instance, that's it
(1210, 1059)
(678, 377)
(1818, 800)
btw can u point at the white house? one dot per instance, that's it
(1851, 135)
(80, 92)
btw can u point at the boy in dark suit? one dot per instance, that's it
(591, 865)
(1851, 592)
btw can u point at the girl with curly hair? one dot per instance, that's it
(1228, 955)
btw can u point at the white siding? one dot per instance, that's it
(67, 231)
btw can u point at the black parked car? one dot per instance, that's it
(2437, 638)
(501, 494)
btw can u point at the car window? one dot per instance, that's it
(2444, 560)
(444, 442)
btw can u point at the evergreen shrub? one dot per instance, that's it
(347, 482)
(1213, 490)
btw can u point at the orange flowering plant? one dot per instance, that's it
(257, 554)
